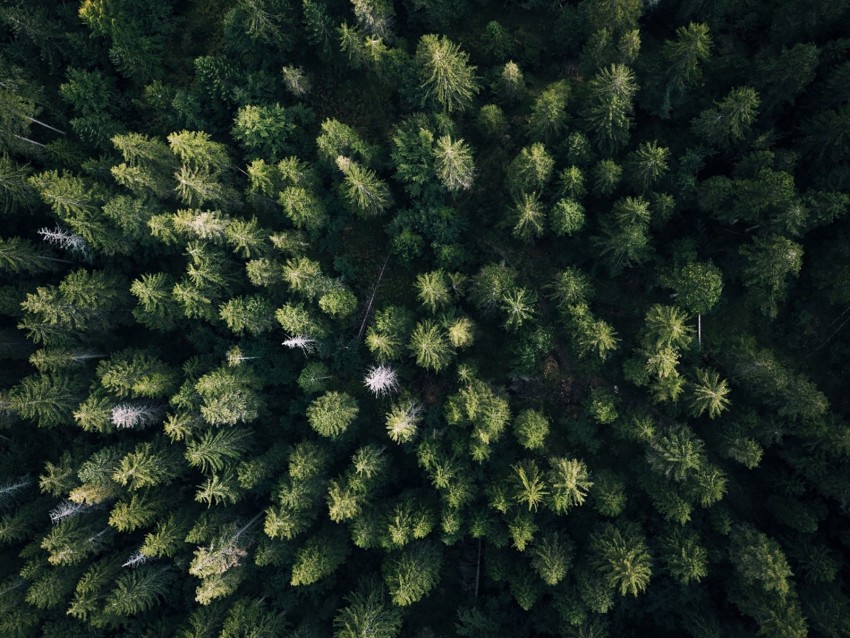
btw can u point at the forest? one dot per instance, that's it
(424, 318)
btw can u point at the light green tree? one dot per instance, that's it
(446, 76)
(621, 554)
(332, 413)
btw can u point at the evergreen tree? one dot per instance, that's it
(609, 106)
(332, 413)
(445, 74)
(412, 572)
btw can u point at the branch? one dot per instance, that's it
(372, 298)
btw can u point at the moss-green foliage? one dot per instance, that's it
(424, 318)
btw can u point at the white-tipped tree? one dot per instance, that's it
(381, 380)
(135, 416)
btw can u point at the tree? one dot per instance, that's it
(769, 263)
(567, 217)
(445, 74)
(381, 380)
(531, 428)
(678, 454)
(684, 557)
(429, 344)
(729, 121)
(136, 374)
(214, 450)
(412, 572)
(403, 421)
(710, 394)
(760, 560)
(367, 612)
(388, 332)
(19, 255)
(228, 396)
(665, 326)
(549, 113)
(264, 131)
(296, 81)
(510, 83)
(530, 217)
(570, 483)
(530, 488)
(332, 413)
(621, 554)
(683, 57)
(551, 557)
(609, 106)
(363, 190)
(454, 164)
(433, 289)
(647, 164)
(624, 245)
(319, 557)
(518, 306)
(697, 286)
(607, 175)
(616, 15)
(592, 335)
(530, 170)
(46, 399)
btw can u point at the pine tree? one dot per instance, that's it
(412, 572)
(530, 488)
(647, 164)
(531, 428)
(228, 396)
(454, 164)
(769, 262)
(367, 612)
(729, 121)
(363, 190)
(709, 394)
(445, 75)
(332, 413)
(319, 557)
(609, 106)
(148, 464)
(430, 345)
(46, 399)
(215, 449)
(530, 170)
(20, 256)
(622, 556)
(433, 289)
(549, 112)
(570, 482)
(83, 303)
(684, 557)
(551, 557)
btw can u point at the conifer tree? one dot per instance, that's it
(445, 74)
(609, 106)
(412, 572)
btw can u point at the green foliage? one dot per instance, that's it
(430, 345)
(531, 429)
(729, 121)
(332, 413)
(427, 318)
(444, 73)
(412, 572)
(609, 106)
(318, 558)
(622, 556)
(367, 613)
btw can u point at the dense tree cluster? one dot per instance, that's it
(424, 318)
